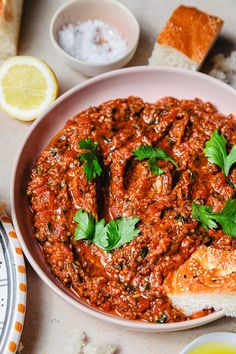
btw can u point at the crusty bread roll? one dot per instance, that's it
(186, 38)
(206, 280)
(10, 15)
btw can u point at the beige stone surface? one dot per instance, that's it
(52, 326)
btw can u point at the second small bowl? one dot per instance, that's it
(111, 12)
(216, 342)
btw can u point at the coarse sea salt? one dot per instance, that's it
(92, 41)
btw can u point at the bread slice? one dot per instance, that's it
(10, 15)
(206, 280)
(186, 38)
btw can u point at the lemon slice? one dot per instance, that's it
(27, 87)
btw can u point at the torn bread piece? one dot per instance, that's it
(186, 38)
(10, 15)
(206, 280)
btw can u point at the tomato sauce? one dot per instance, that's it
(128, 281)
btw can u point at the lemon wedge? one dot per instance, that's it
(27, 87)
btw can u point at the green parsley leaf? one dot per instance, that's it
(203, 214)
(88, 144)
(121, 231)
(100, 236)
(108, 237)
(92, 167)
(154, 168)
(153, 154)
(230, 160)
(86, 225)
(215, 151)
(226, 217)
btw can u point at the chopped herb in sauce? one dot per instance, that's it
(53, 151)
(143, 252)
(49, 227)
(130, 289)
(162, 319)
(180, 217)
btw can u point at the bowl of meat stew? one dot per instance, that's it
(135, 208)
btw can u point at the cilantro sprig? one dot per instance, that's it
(108, 237)
(153, 154)
(92, 166)
(215, 151)
(121, 231)
(86, 227)
(226, 218)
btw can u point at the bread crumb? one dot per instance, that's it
(224, 68)
(98, 348)
(81, 345)
(20, 348)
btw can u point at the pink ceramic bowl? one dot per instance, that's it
(148, 83)
(111, 12)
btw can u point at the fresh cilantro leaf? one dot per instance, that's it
(108, 237)
(144, 152)
(230, 160)
(215, 151)
(100, 236)
(226, 217)
(112, 234)
(121, 231)
(88, 144)
(92, 166)
(153, 154)
(203, 214)
(86, 225)
(154, 168)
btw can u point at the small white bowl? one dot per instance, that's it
(111, 12)
(226, 338)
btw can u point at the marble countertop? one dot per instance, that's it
(52, 326)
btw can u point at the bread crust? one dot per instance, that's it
(10, 15)
(190, 31)
(208, 270)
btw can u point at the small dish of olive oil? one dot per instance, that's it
(213, 348)
(212, 343)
